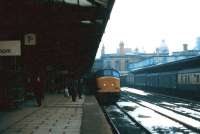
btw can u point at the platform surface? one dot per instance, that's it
(57, 115)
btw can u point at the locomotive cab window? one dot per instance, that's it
(108, 72)
(115, 74)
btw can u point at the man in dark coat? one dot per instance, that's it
(79, 88)
(38, 90)
(72, 88)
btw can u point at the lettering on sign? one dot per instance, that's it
(10, 48)
(30, 39)
(5, 51)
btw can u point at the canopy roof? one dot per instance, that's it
(68, 32)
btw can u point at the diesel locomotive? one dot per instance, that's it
(108, 85)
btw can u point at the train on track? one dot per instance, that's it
(107, 85)
(179, 78)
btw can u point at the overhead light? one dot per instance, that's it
(86, 22)
(100, 21)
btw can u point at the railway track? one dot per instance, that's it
(187, 108)
(176, 112)
(130, 117)
(191, 104)
(142, 114)
(121, 122)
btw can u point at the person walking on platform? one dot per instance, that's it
(74, 89)
(38, 91)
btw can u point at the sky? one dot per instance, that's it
(145, 23)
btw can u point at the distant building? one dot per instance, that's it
(164, 57)
(127, 59)
(187, 53)
(123, 50)
(121, 59)
(154, 60)
(197, 47)
(162, 49)
(97, 65)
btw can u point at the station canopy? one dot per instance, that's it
(62, 34)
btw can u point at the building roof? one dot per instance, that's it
(193, 62)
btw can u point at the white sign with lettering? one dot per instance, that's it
(30, 39)
(10, 48)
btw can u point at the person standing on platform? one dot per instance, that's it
(28, 89)
(69, 85)
(66, 88)
(72, 88)
(79, 88)
(38, 91)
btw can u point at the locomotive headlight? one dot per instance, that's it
(112, 84)
(104, 84)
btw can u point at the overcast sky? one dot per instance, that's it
(144, 23)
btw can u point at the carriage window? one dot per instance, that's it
(188, 77)
(198, 80)
(182, 80)
(185, 79)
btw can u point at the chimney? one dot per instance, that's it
(103, 51)
(185, 47)
(121, 48)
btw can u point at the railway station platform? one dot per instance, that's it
(57, 115)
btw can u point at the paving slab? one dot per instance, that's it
(57, 115)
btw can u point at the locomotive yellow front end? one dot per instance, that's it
(108, 85)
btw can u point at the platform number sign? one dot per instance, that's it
(30, 39)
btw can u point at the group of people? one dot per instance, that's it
(35, 85)
(74, 87)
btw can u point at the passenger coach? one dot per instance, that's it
(176, 78)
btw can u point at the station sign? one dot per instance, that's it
(30, 39)
(10, 48)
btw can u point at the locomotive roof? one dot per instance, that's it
(193, 62)
(107, 69)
